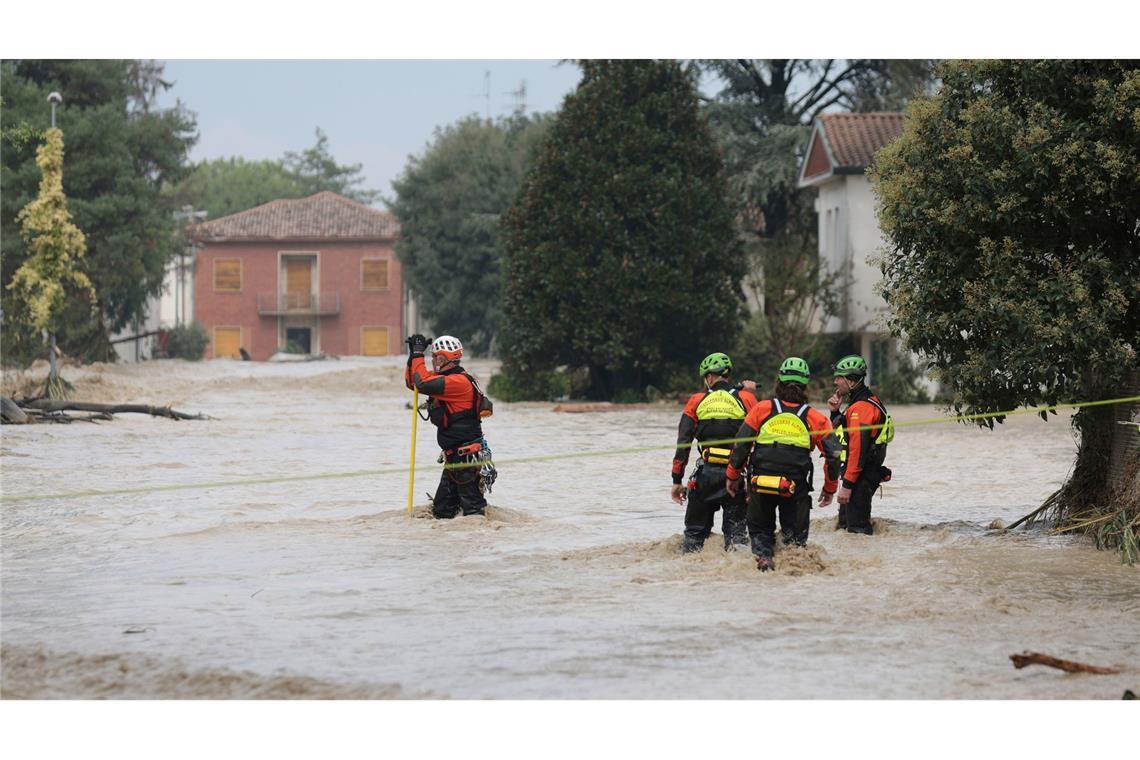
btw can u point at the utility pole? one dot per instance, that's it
(486, 92)
(191, 218)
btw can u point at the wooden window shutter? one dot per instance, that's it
(374, 341)
(227, 275)
(227, 342)
(374, 274)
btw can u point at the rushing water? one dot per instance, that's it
(573, 586)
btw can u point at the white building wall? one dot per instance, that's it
(864, 239)
(831, 206)
(174, 306)
(849, 235)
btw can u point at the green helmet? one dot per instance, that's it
(794, 370)
(852, 365)
(718, 364)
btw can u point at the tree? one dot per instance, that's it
(1011, 204)
(317, 171)
(621, 255)
(449, 201)
(56, 247)
(762, 118)
(225, 186)
(121, 151)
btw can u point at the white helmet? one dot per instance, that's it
(448, 347)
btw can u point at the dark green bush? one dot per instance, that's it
(187, 342)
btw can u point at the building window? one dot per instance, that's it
(374, 341)
(227, 275)
(374, 274)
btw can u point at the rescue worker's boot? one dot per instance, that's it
(735, 527)
(691, 543)
(763, 544)
(841, 523)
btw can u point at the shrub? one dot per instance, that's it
(187, 342)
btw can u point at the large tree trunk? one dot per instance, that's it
(1089, 487)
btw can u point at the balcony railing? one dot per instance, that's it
(298, 304)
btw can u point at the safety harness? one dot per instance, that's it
(723, 410)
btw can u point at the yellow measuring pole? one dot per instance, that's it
(412, 466)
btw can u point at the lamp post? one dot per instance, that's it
(55, 99)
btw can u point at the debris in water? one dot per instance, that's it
(137, 629)
(1036, 658)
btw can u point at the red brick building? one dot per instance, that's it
(316, 274)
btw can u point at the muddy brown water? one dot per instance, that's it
(573, 586)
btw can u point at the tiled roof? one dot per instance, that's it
(855, 137)
(324, 216)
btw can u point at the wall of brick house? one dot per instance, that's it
(338, 271)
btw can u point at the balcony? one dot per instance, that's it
(298, 304)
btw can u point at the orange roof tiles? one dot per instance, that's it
(854, 138)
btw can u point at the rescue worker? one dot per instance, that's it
(713, 414)
(779, 434)
(456, 405)
(865, 429)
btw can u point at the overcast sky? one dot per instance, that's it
(375, 113)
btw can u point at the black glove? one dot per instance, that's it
(417, 344)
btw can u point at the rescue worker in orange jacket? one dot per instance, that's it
(866, 429)
(711, 415)
(456, 406)
(780, 433)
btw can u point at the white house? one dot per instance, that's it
(173, 307)
(841, 148)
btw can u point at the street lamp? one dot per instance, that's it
(55, 99)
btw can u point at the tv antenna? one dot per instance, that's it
(520, 97)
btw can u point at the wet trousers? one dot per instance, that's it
(856, 516)
(705, 499)
(795, 520)
(458, 489)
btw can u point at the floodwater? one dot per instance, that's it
(572, 587)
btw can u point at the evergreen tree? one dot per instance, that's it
(621, 257)
(121, 151)
(225, 186)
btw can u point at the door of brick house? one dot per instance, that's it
(298, 283)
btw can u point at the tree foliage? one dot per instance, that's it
(55, 246)
(449, 201)
(317, 171)
(763, 114)
(121, 150)
(762, 118)
(225, 186)
(1011, 204)
(621, 252)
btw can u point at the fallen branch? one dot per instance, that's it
(53, 405)
(1031, 515)
(1036, 658)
